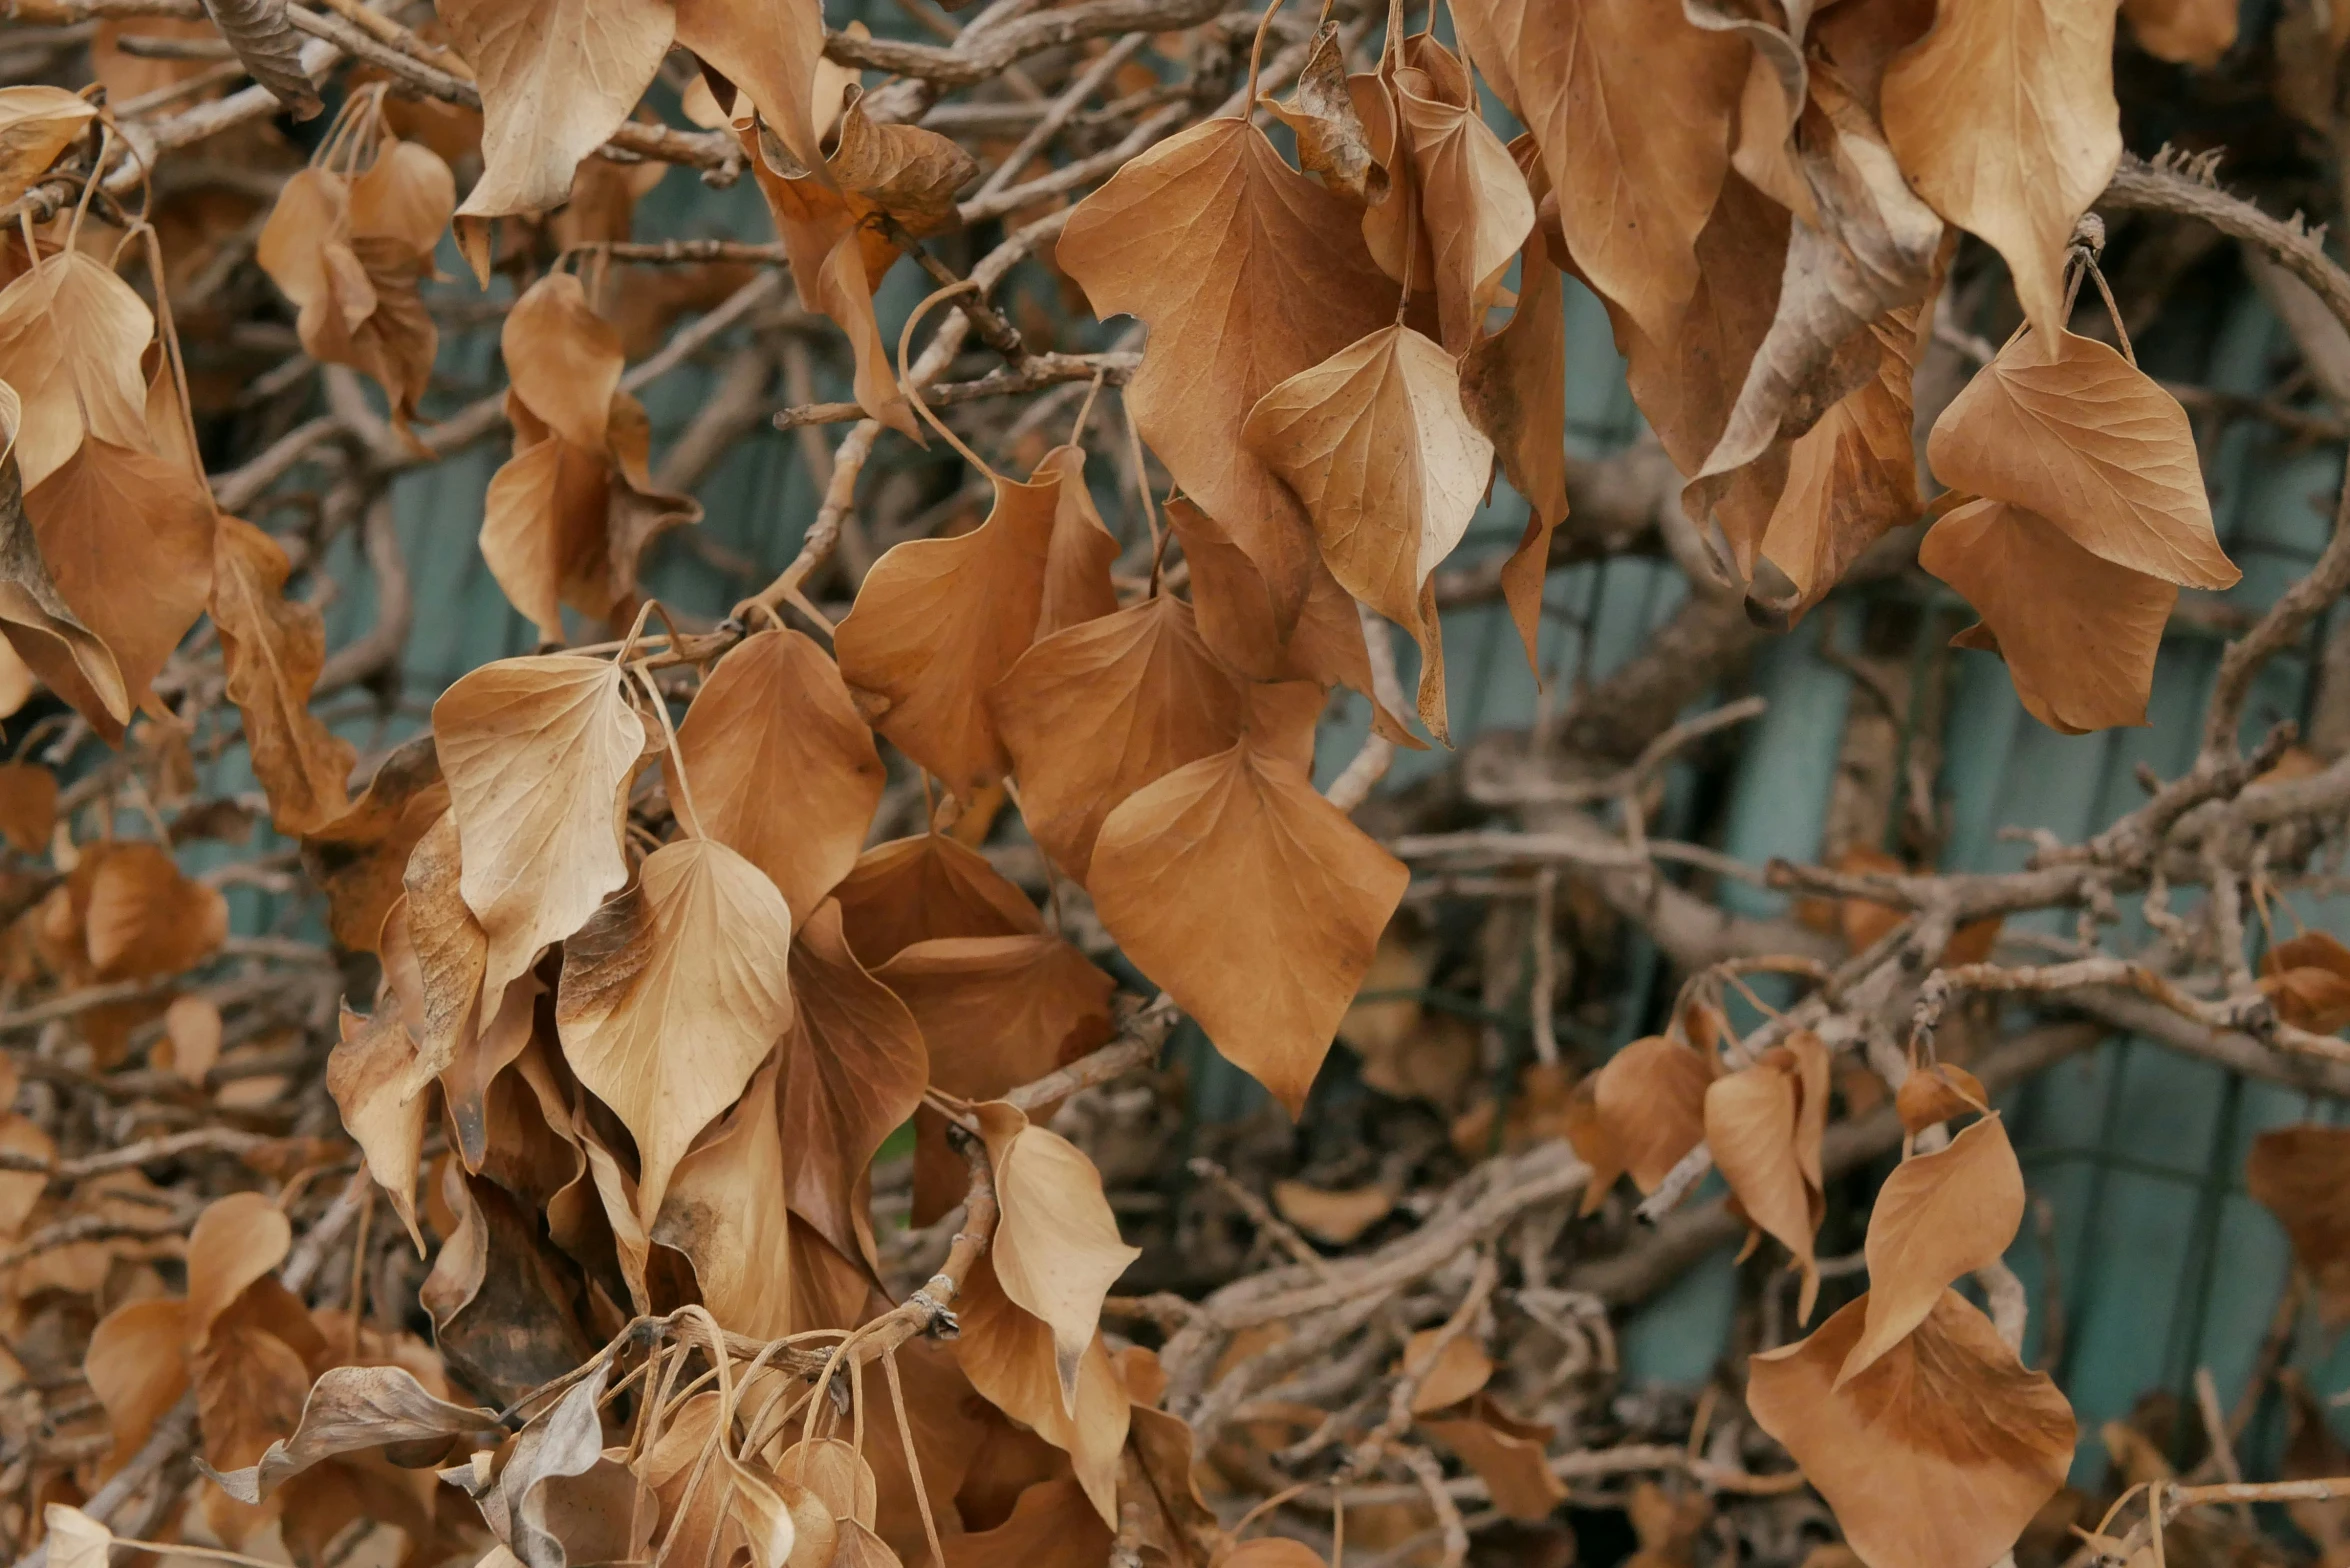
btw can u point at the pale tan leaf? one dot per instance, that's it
(368, 1074)
(2095, 446)
(74, 1539)
(1763, 1124)
(1476, 203)
(146, 917)
(725, 1211)
(537, 752)
(1639, 1114)
(921, 888)
(1447, 1375)
(563, 359)
(773, 51)
(1010, 1356)
(557, 79)
(2004, 119)
(1253, 901)
(1275, 279)
(1335, 1218)
(360, 857)
(1057, 1247)
(672, 992)
(997, 1012)
(1938, 1217)
(2301, 1175)
(36, 124)
(350, 1409)
(1077, 584)
(71, 338)
(782, 768)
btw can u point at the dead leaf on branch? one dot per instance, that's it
(672, 993)
(2307, 980)
(1275, 280)
(1478, 209)
(2079, 633)
(999, 1011)
(725, 1211)
(1331, 141)
(938, 622)
(2301, 1175)
(1379, 451)
(368, 1073)
(1255, 902)
(72, 336)
(921, 888)
(273, 649)
(1938, 1455)
(42, 629)
(557, 79)
(36, 124)
(1639, 1114)
(2004, 119)
(784, 771)
(1764, 1125)
(537, 752)
(1012, 1357)
(353, 1408)
(361, 856)
(1938, 1218)
(1077, 585)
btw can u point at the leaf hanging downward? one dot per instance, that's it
(273, 649)
(1254, 901)
(558, 77)
(1764, 1125)
(939, 621)
(40, 626)
(2091, 443)
(36, 124)
(672, 993)
(929, 886)
(1057, 1247)
(536, 752)
(350, 1409)
(1376, 445)
(1639, 1114)
(1938, 1217)
(72, 337)
(2302, 1176)
(1938, 1455)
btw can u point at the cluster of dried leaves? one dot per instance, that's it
(754, 1025)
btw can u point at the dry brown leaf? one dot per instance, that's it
(2307, 980)
(917, 889)
(2184, 32)
(1096, 712)
(999, 1011)
(2004, 119)
(1333, 1218)
(783, 770)
(28, 805)
(773, 51)
(1011, 1358)
(1077, 584)
(1508, 1453)
(1052, 1526)
(2095, 446)
(36, 124)
(192, 1032)
(556, 81)
(910, 173)
(1932, 1095)
(72, 336)
(672, 992)
(2079, 634)
(368, 1075)
(1331, 140)
(1377, 447)
(537, 752)
(148, 918)
(1057, 1250)
(1448, 1375)
(274, 648)
(360, 858)
(2302, 1176)
(1938, 1455)
(1938, 1217)
(725, 1211)
(1275, 280)
(563, 360)
(128, 538)
(1636, 170)
(1255, 902)
(43, 632)
(1476, 204)
(939, 621)
(853, 1069)
(1764, 1124)
(1639, 1114)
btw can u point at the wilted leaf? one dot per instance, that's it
(1508, 1453)
(2090, 443)
(1447, 1376)
(938, 622)
(1636, 169)
(36, 124)
(28, 806)
(49, 640)
(2307, 980)
(360, 858)
(1077, 584)
(1094, 713)
(146, 917)
(72, 336)
(1052, 1526)
(783, 770)
(2004, 118)
(273, 649)
(1376, 445)
(1938, 1455)
(921, 888)
(1011, 1357)
(1274, 280)
(1640, 1113)
(1331, 141)
(1478, 208)
(996, 1012)
(563, 360)
(269, 50)
(2302, 1176)
(349, 1409)
(1931, 1095)
(1764, 1124)
(368, 1074)
(672, 993)
(1333, 1218)
(1938, 1217)
(725, 1211)
(557, 79)
(74, 1539)
(1057, 1247)
(2079, 634)
(537, 752)
(853, 1069)
(1253, 901)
